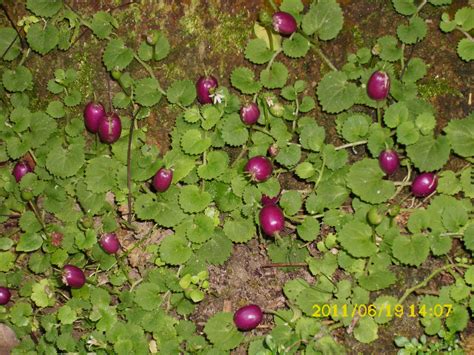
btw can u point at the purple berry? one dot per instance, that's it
(271, 219)
(204, 86)
(284, 23)
(110, 128)
(378, 86)
(73, 276)
(389, 162)
(248, 317)
(5, 295)
(273, 150)
(110, 243)
(21, 169)
(424, 184)
(260, 168)
(93, 114)
(250, 113)
(162, 179)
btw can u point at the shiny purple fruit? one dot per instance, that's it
(73, 276)
(260, 168)
(250, 113)
(93, 114)
(284, 23)
(204, 86)
(21, 169)
(162, 179)
(424, 184)
(271, 219)
(248, 317)
(389, 162)
(5, 295)
(110, 128)
(378, 86)
(110, 243)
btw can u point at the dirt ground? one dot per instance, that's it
(210, 35)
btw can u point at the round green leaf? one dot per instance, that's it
(174, 250)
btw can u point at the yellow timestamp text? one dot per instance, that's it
(384, 310)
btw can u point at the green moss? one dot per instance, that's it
(358, 37)
(229, 33)
(85, 74)
(437, 87)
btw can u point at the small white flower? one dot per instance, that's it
(217, 97)
(92, 341)
(270, 102)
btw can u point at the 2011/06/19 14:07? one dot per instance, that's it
(385, 310)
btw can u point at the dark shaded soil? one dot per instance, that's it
(210, 36)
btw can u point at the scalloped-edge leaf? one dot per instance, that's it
(336, 93)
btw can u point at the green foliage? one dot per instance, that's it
(138, 300)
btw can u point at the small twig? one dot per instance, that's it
(122, 5)
(284, 265)
(22, 40)
(129, 167)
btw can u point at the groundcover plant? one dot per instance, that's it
(112, 240)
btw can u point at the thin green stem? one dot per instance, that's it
(270, 38)
(37, 214)
(350, 145)
(273, 5)
(25, 56)
(263, 130)
(135, 55)
(468, 36)
(321, 172)
(404, 183)
(150, 71)
(425, 282)
(418, 9)
(297, 111)
(273, 58)
(241, 154)
(318, 51)
(129, 167)
(452, 234)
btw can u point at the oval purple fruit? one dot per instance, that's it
(273, 150)
(110, 243)
(424, 184)
(93, 114)
(248, 317)
(271, 219)
(389, 162)
(162, 179)
(110, 128)
(203, 88)
(73, 276)
(250, 113)
(260, 168)
(284, 23)
(378, 86)
(5, 295)
(21, 169)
